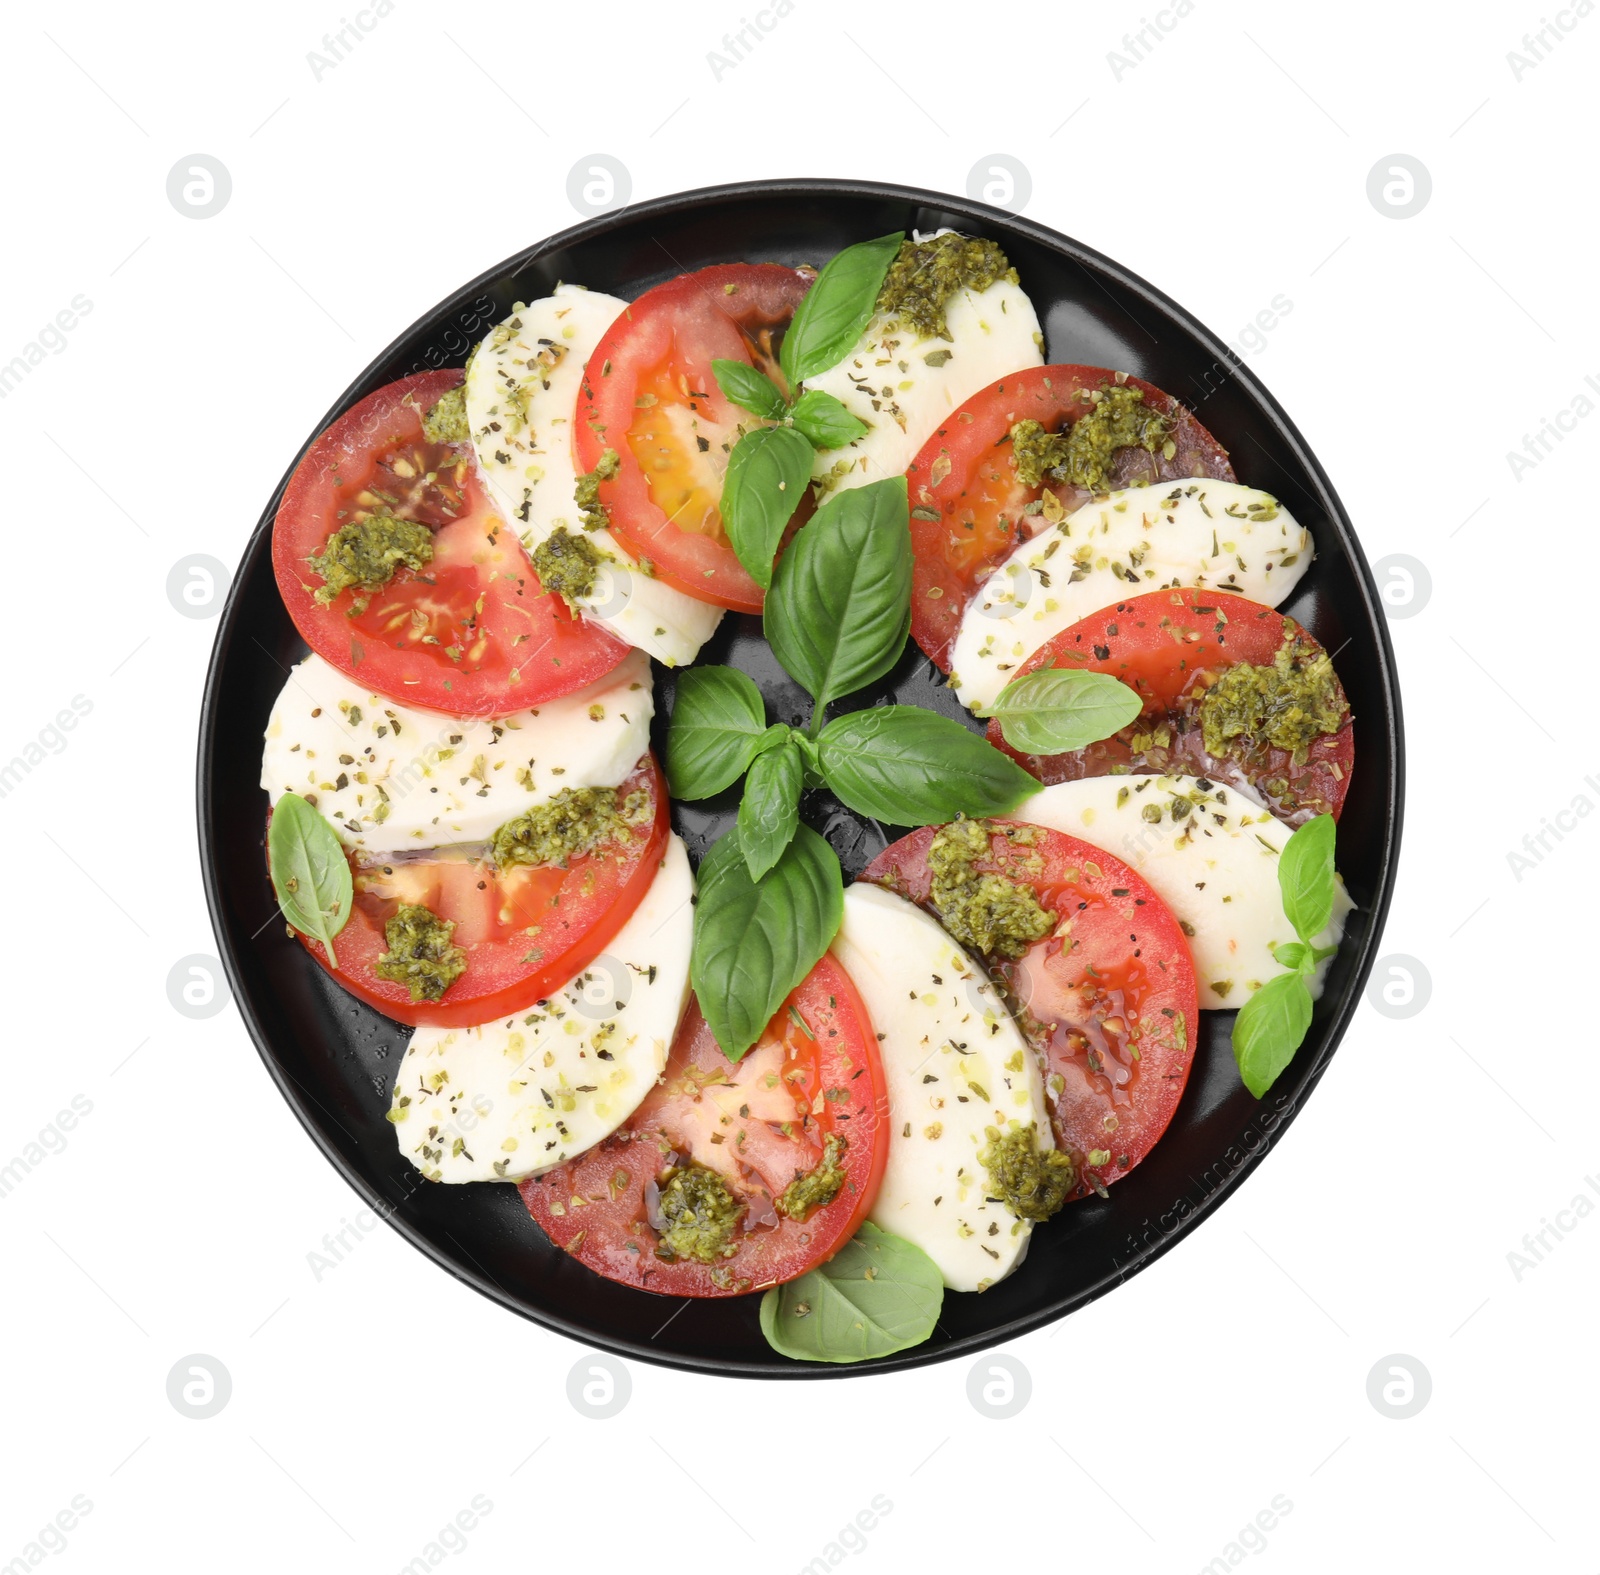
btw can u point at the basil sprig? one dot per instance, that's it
(1273, 1023)
(1049, 712)
(879, 1294)
(310, 872)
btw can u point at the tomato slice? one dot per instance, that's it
(758, 1123)
(1171, 646)
(1108, 1001)
(969, 510)
(650, 396)
(526, 930)
(471, 631)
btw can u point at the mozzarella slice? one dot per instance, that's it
(1214, 864)
(512, 1099)
(955, 1064)
(522, 399)
(390, 777)
(903, 386)
(1214, 534)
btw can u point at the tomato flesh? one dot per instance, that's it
(1170, 646)
(472, 632)
(968, 509)
(526, 930)
(651, 397)
(815, 1072)
(1108, 1002)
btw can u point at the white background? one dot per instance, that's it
(1229, 166)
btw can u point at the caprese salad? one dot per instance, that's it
(753, 1079)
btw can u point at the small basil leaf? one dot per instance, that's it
(310, 872)
(778, 733)
(1270, 1027)
(877, 1295)
(718, 721)
(754, 941)
(1048, 712)
(748, 388)
(839, 609)
(1293, 955)
(909, 767)
(1306, 877)
(766, 479)
(825, 421)
(836, 308)
(770, 808)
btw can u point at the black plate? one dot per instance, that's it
(333, 1058)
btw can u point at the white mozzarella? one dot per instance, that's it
(1216, 868)
(522, 398)
(391, 777)
(1217, 535)
(889, 381)
(956, 1065)
(514, 1098)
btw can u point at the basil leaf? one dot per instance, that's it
(1294, 955)
(1270, 1027)
(718, 721)
(839, 609)
(755, 940)
(877, 1295)
(910, 767)
(825, 421)
(836, 308)
(766, 479)
(1306, 877)
(310, 872)
(770, 808)
(748, 388)
(1047, 712)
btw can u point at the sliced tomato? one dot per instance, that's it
(472, 632)
(650, 396)
(758, 1124)
(526, 930)
(1108, 1001)
(1171, 646)
(969, 510)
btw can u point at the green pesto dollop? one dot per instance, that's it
(596, 516)
(574, 823)
(446, 422)
(699, 1216)
(568, 565)
(421, 954)
(1082, 454)
(925, 274)
(1033, 1183)
(819, 1186)
(1290, 704)
(989, 913)
(365, 553)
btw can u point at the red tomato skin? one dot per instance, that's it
(966, 501)
(692, 320)
(608, 1231)
(1141, 969)
(1159, 644)
(533, 648)
(496, 983)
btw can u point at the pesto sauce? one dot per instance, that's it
(1033, 1183)
(699, 1215)
(925, 274)
(819, 1186)
(1289, 705)
(574, 823)
(568, 565)
(987, 913)
(421, 954)
(1082, 454)
(446, 422)
(366, 552)
(596, 516)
